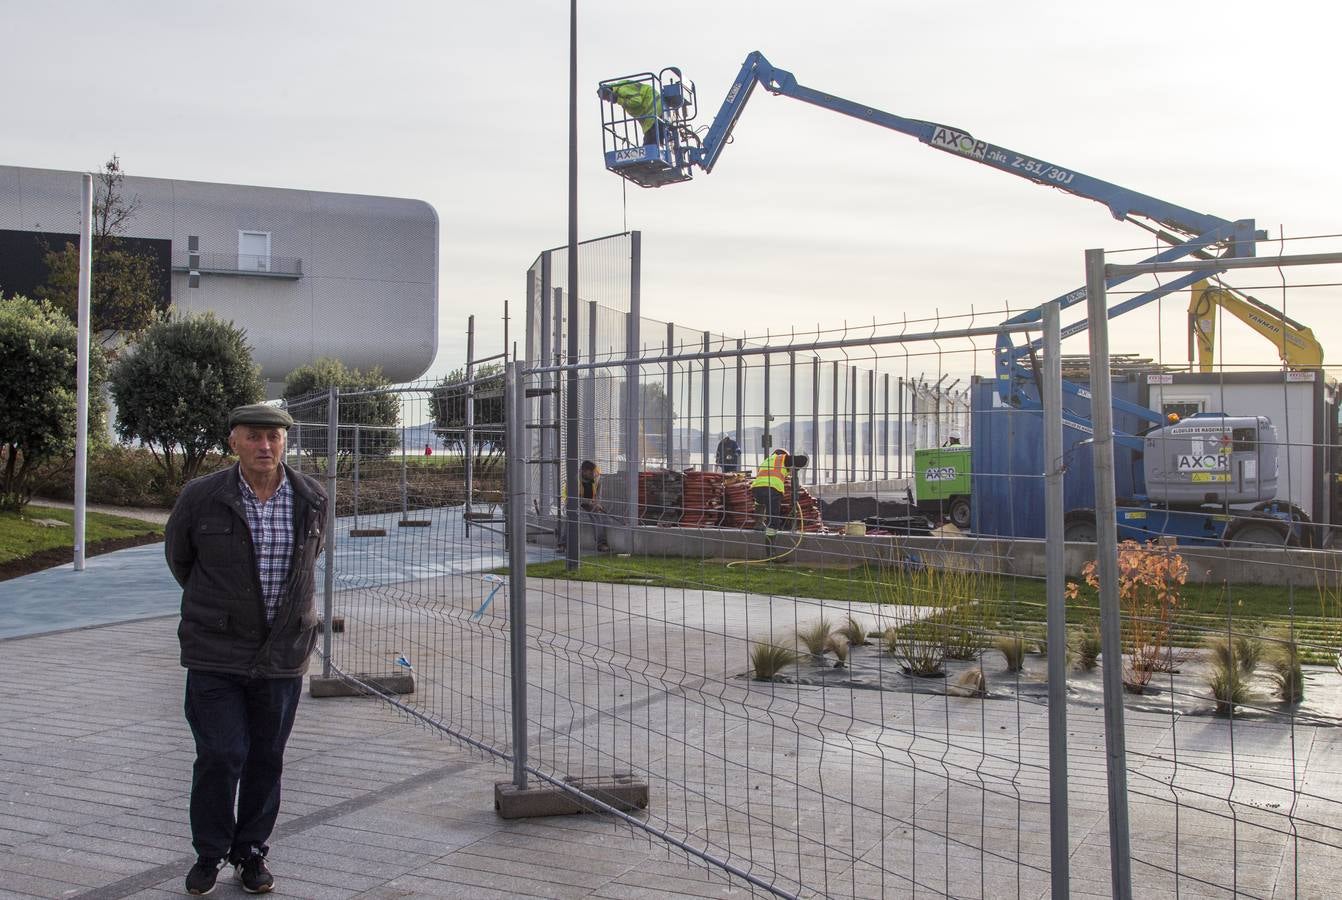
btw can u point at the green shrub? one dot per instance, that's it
(920, 647)
(118, 476)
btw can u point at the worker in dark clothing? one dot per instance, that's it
(728, 454)
(589, 502)
(639, 100)
(770, 482)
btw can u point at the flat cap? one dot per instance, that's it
(260, 414)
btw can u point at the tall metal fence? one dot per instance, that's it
(852, 700)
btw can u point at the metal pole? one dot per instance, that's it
(852, 423)
(1106, 554)
(633, 391)
(328, 588)
(834, 423)
(1055, 585)
(514, 397)
(740, 394)
(405, 500)
(871, 425)
(669, 423)
(768, 439)
(816, 436)
(82, 366)
(469, 455)
(705, 400)
(885, 426)
(549, 441)
(899, 426)
(590, 449)
(297, 431)
(356, 475)
(793, 442)
(571, 439)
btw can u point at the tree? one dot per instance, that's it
(125, 292)
(38, 348)
(448, 405)
(377, 414)
(175, 388)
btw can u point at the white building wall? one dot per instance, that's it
(368, 294)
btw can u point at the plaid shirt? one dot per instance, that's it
(272, 527)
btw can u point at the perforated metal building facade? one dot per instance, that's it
(306, 273)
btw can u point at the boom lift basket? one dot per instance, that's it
(648, 157)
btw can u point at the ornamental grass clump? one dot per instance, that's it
(1248, 651)
(1012, 647)
(815, 637)
(1150, 577)
(1283, 663)
(1228, 683)
(838, 645)
(768, 659)
(854, 631)
(1085, 644)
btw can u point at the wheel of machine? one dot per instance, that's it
(959, 512)
(1310, 535)
(1079, 525)
(1264, 532)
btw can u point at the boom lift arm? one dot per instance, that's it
(680, 151)
(1295, 343)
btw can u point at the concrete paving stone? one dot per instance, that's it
(101, 791)
(113, 864)
(17, 884)
(35, 811)
(335, 865)
(62, 866)
(175, 841)
(347, 836)
(463, 875)
(421, 886)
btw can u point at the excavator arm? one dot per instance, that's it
(1295, 343)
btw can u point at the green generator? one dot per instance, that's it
(941, 484)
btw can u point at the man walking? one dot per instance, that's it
(242, 543)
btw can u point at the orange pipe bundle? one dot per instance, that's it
(738, 505)
(703, 500)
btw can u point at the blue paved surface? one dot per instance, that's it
(135, 583)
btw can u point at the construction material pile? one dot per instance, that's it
(703, 500)
(809, 506)
(738, 505)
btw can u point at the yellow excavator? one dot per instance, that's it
(1295, 343)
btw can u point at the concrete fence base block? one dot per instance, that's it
(414, 523)
(623, 792)
(321, 686)
(368, 532)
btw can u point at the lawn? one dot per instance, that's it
(24, 535)
(1018, 604)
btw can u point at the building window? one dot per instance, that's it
(254, 251)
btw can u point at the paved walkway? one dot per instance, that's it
(95, 769)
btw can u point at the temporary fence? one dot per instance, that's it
(855, 699)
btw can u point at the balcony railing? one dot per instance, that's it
(238, 264)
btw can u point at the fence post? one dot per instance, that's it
(298, 446)
(669, 425)
(899, 426)
(514, 397)
(816, 436)
(469, 449)
(1055, 553)
(633, 391)
(885, 426)
(1106, 555)
(834, 423)
(328, 588)
(405, 499)
(356, 475)
(706, 421)
(740, 396)
(793, 442)
(768, 438)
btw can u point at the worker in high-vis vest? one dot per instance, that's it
(770, 482)
(639, 100)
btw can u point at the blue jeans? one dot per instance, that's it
(240, 725)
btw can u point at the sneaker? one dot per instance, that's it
(252, 872)
(200, 880)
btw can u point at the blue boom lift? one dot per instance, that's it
(649, 138)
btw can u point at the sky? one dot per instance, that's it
(809, 219)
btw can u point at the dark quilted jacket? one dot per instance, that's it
(209, 550)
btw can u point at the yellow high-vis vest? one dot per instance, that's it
(773, 474)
